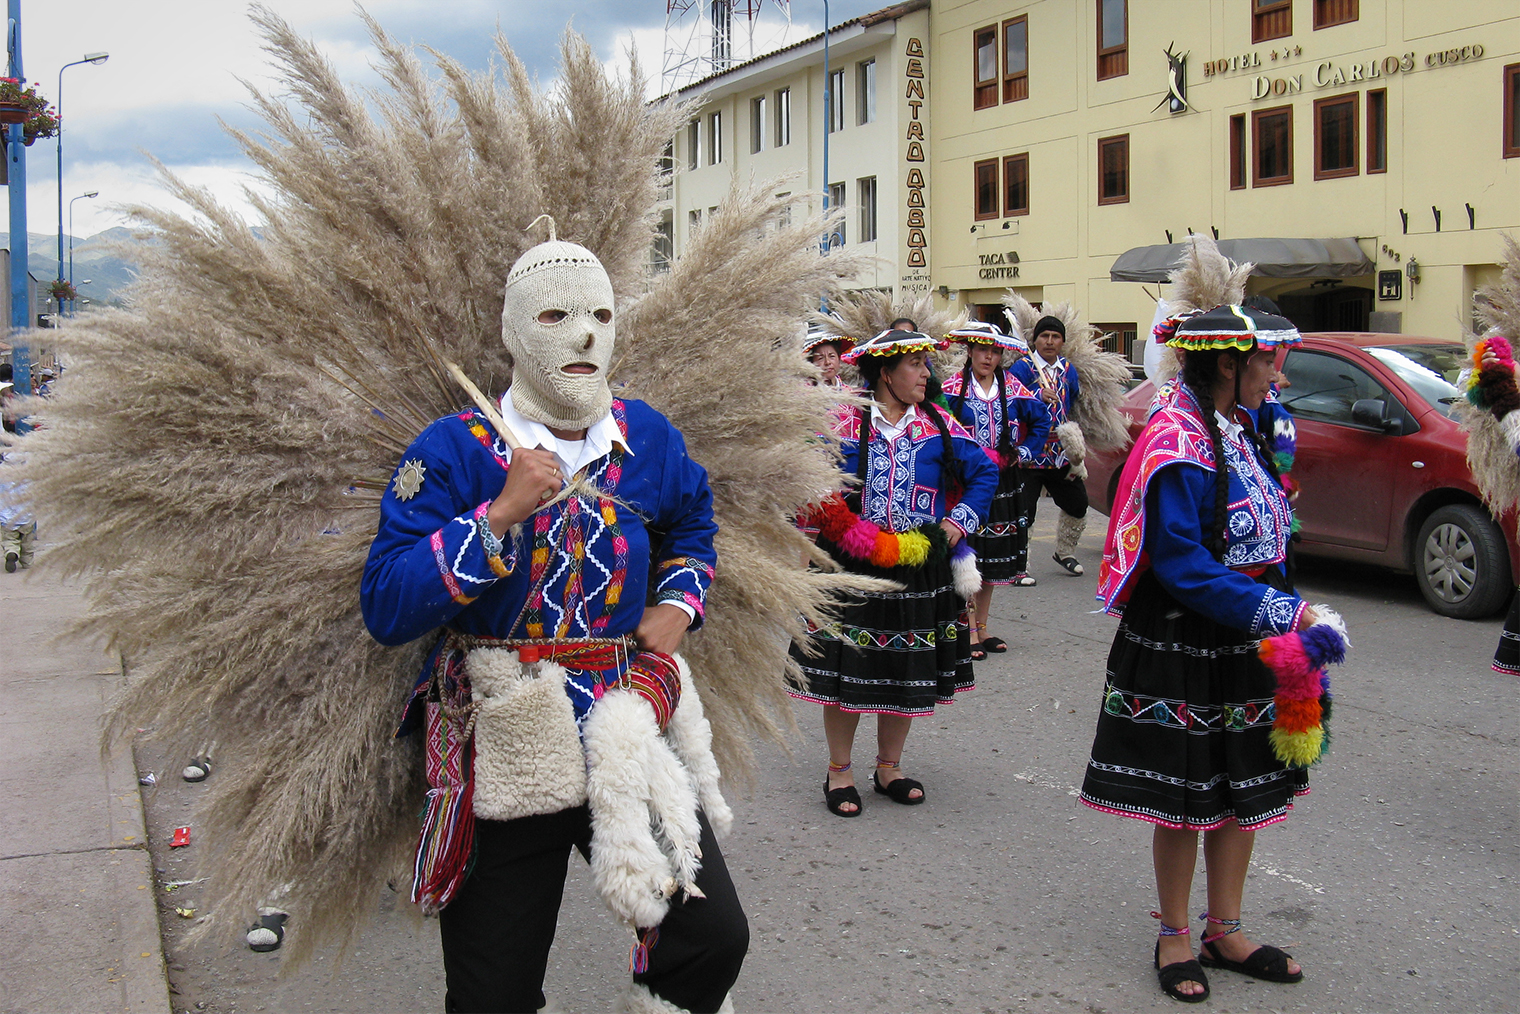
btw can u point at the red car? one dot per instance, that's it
(1383, 466)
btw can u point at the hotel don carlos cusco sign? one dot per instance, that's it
(1328, 73)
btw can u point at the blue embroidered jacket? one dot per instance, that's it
(429, 567)
(1027, 370)
(903, 479)
(1030, 416)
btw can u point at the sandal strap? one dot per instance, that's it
(1171, 931)
(1233, 924)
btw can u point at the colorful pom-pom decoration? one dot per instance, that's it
(1297, 660)
(862, 540)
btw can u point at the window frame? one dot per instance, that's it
(1377, 131)
(1009, 210)
(1239, 153)
(990, 164)
(693, 222)
(1511, 128)
(866, 190)
(1109, 65)
(758, 122)
(1257, 116)
(837, 193)
(1126, 332)
(835, 104)
(1113, 141)
(1353, 99)
(715, 137)
(1323, 21)
(694, 143)
(1261, 14)
(783, 115)
(984, 91)
(1013, 79)
(865, 92)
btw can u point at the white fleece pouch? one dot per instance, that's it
(528, 755)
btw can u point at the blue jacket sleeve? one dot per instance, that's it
(1073, 388)
(429, 560)
(1175, 522)
(980, 476)
(686, 554)
(1034, 417)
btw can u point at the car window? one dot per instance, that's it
(1325, 387)
(1432, 370)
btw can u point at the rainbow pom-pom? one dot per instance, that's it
(1297, 661)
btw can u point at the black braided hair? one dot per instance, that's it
(871, 368)
(960, 399)
(1005, 438)
(1199, 372)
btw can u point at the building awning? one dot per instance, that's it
(1274, 258)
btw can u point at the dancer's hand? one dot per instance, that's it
(1308, 619)
(952, 532)
(532, 478)
(661, 628)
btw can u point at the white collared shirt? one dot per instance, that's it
(989, 393)
(1229, 428)
(1051, 373)
(572, 455)
(888, 430)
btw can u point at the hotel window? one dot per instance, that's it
(715, 138)
(1016, 58)
(1328, 13)
(865, 92)
(1113, 38)
(986, 91)
(867, 190)
(1119, 338)
(663, 250)
(783, 117)
(1512, 111)
(836, 202)
(1113, 170)
(1271, 19)
(836, 100)
(693, 144)
(757, 124)
(1016, 185)
(1238, 151)
(1273, 141)
(1335, 140)
(986, 189)
(1377, 131)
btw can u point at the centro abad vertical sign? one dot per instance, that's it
(914, 280)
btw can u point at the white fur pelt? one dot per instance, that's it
(1075, 446)
(965, 575)
(644, 790)
(1069, 531)
(637, 999)
(1101, 376)
(1492, 443)
(528, 756)
(308, 350)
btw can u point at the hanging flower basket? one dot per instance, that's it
(23, 105)
(62, 290)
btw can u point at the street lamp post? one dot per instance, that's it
(96, 58)
(87, 193)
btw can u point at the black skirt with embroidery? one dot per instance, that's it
(1002, 544)
(1507, 655)
(898, 653)
(1182, 737)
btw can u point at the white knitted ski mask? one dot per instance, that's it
(553, 279)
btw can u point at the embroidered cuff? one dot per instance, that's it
(465, 564)
(964, 518)
(1277, 613)
(683, 581)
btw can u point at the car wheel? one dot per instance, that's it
(1462, 563)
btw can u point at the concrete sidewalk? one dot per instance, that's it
(80, 931)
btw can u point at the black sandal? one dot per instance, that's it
(899, 788)
(995, 644)
(845, 794)
(1178, 972)
(978, 653)
(1267, 963)
(1071, 563)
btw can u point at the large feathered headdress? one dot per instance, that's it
(862, 313)
(1202, 280)
(220, 446)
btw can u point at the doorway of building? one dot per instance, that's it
(1341, 308)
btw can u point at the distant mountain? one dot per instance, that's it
(106, 273)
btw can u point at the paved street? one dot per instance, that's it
(1394, 882)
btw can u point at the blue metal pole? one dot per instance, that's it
(21, 304)
(828, 112)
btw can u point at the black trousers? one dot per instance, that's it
(1068, 493)
(497, 932)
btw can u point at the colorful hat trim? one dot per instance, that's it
(817, 338)
(893, 343)
(979, 332)
(1232, 327)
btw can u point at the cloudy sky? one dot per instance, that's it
(175, 64)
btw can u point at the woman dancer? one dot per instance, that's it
(1193, 730)
(824, 350)
(898, 654)
(1011, 423)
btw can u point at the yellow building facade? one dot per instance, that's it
(1380, 137)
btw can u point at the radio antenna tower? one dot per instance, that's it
(699, 37)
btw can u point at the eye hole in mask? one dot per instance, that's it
(603, 316)
(552, 316)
